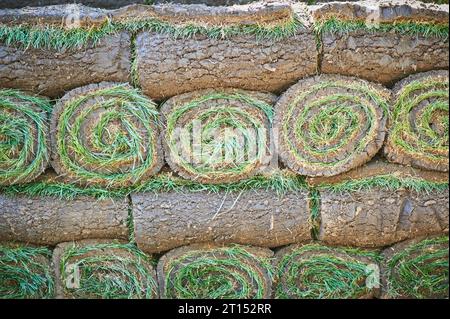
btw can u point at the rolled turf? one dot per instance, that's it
(105, 134)
(24, 152)
(313, 271)
(218, 136)
(107, 270)
(25, 272)
(330, 124)
(417, 269)
(213, 272)
(418, 135)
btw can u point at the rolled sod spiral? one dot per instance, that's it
(217, 136)
(25, 272)
(24, 146)
(417, 269)
(105, 134)
(330, 124)
(313, 271)
(418, 135)
(104, 270)
(212, 272)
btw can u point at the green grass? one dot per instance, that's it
(23, 274)
(23, 136)
(127, 156)
(219, 273)
(281, 182)
(388, 182)
(314, 271)
(57, 38)
(109, 275)
(209, 164)
(335, 26)
(420, 270)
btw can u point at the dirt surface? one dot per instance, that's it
(167, 220)
(93, 3)
(108, 165)
(380, 167)
(50, 73)
(281, 281)
(63, 293)
(172, 263)
(48, 220)
(388, 273)
(168, 67)
(311, 149)
(385, 11)
(429, 157)
(377, 217)
(219, 172)
(382, 57)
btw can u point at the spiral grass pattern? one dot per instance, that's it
(330, 124)
(105, 134)
(24, 147)
(25, 272)
(217, 136)
(204, 272)
(418, 269)
(108, 271)
(313, 271)
(418, 135)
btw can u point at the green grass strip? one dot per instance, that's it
(25, 273)
(220, 273)
(109, 271)
(23, 136)
(420, 270)
(314, 271)
(57, 38)
(335, 26)
(281, 182)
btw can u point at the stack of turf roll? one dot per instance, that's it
(330, 124)
(218, 136)
(203, 271)
(24, 143)
(105, 134)
(25, 272)
(418, 135)
(313, 271)
(416, 268)
(103, 269)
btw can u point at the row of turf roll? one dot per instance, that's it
(111, 269)
(110, 134)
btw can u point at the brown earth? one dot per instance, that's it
(50, 73)
(383, 57)
(167, 220)
(49, 221)
(168, 66)
(379, 217)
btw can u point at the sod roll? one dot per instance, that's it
(49, 220)
(218, 136)
(105, 134)
(51, 71)
(167, 220)
(168, 66)
(25, 272)
(376, 216)
(98, 269)
(313, 271)
(418, 134)
(213, 272)
(416, 269)
(24, 147)
(330, 124)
